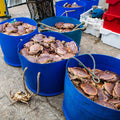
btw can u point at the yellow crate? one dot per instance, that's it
(2, 8)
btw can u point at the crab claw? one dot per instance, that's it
(11, 95)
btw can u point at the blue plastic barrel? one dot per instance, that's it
(75, 35)
(52, 74)
(72, 12)
(9, 43)
(90, 3)
(78, 107)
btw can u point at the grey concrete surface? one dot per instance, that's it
(41, 108)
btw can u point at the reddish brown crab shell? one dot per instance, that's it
(116, 91)
(115, 102)
(71, 47)
(76, 82)
(89, 89)
(59, 25)
(34, 49)
(106, 104)
(68, 55)
(108, 87)
(79, 72)
(101, 95)
(28, 44)
(68, 26)
(81, 91)
(108, 76)
(24, 52)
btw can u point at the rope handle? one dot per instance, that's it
(66, 12)
(38, 81)
(93, 73)
(76, 28)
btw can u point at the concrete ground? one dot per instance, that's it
(41, 108)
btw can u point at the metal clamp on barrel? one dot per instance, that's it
(38, 81)
(93, 73)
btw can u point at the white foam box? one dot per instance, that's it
(110, 38)
(93, 25)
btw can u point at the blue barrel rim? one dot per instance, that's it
(23, 22)
(65, 18)
(76, 90)
(18, 50)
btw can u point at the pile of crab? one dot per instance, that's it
(106, 93)
(74, 5)
(43, 49)
(61, 27)
(16, 28)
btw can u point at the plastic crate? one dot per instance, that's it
(114, 7)
(93, 25)
(111, 22)
(110, 38)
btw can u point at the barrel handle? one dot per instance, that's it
(48, 27)
(83, 28)
(38, 81)
(82, 23)
(66, 12)
(93, 73)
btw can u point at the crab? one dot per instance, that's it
(61, 50)
(68, 26)
(42, 49)
(78, 72)
(89, 89)
(31, 58)
(108, 89)
(59, 25)
(68, 55)
(71, 47)
(21, 30)
(44, 59)
(115, 102)
(38, 37)
(106, 93)
(24, 52)
(1, 28)
(34, 49)
(106, 104)
(108, 76)
(28, 44)
(21, 97)
(24, 97)
(116, 90)
(16, 28)
(101, 95)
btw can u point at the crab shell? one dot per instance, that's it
(89, 89)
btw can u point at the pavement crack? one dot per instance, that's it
(54, 106)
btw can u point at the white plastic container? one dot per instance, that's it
(93, 25)
(110, 38)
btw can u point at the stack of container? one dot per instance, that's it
(112, 16)
(111, 22)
